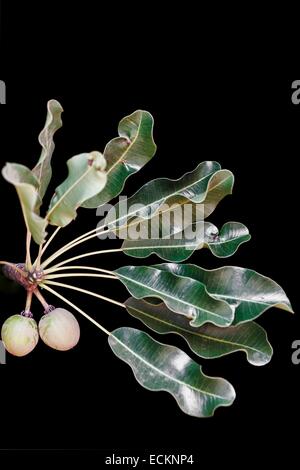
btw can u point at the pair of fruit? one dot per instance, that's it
(59, 329)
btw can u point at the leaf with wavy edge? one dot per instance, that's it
(27, 186)
(179, 247)
(225, 242)
(185, 296)
(86, 178)
(172, 218)
(249, 293)
(159, 367)
(125, 155)
(207, 185)
(43, 170)
(208, 341)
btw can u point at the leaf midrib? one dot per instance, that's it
(164, 374)
(46, 148)
(179, 300)
(195, 244)
(181, 246)
(128, 148)
(234, 239)
(90, 168)
(45, 157)
(140, 220)
(195, 333)
(238, 298)
(224, 296)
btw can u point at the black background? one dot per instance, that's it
(102, 66)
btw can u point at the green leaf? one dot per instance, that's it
(86, 178)
(206, 185)
(125, 155)
(208, 341)
(181, 246)
(185, 296)
(27, 186)
(43, 170)
(226, 242)
(173, 248)
(249, 293)
(159, 367)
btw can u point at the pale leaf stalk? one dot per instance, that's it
(50, 240)
(89, 268)
(71, 245)
(84, 255)
(84, 291)
(43, 247)
(83, 238)
(56, 276)
(64, 299)
(87, 236)
(95, 231)
(37, 262)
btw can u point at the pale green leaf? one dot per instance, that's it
(126, 154)
(27, 186)
(86, 178)
(43, 170)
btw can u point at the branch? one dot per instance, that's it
(12, 265)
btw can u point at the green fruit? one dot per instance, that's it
(19, 335)
(59, 329)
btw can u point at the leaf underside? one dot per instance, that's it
(86, 177)
(43, 170)
(27, 187)
(125, 155)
